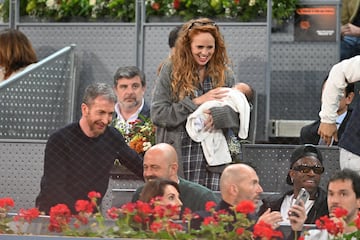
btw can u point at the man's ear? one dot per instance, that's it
(291, 174)
(350, 98)
(84, 108)
(233, 189)
(174, 168)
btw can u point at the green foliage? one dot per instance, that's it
(124, 10)
(5, 9)
(236, 10)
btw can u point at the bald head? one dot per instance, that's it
(240, 182)
(161, 161)
(235, 173)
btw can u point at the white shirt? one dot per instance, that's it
(346, 70)
(288, 201)
(125, 124)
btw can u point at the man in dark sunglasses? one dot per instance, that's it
(305, 172)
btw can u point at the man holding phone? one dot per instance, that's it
(305, 172)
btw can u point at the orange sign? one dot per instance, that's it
(316, 11)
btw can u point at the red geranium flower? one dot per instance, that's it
(94, 194)
(156, 226)
(209, 205)
(245, 207)
(113, 213)
(176, 4)
(264, 230)
(357, 221)
(6, 202)
(128, 207)
(209, 220)
(60, 216)
(84, 206)
(240, 231)
(332, 227)
(27, 215)
(340, 212)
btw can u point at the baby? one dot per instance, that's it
(247, 90)
(213, 142)
(243, 88)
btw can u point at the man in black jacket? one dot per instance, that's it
(305, 172)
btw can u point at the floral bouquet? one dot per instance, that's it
(139, 135)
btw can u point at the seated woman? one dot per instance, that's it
(167, 190)
(16, 53)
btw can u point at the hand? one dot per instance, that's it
(297, 216)
(350, 30)
(327, 131)
(272, 218)
(209, 122)
(213, 94)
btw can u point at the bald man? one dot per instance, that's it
(161, 161)
(239, 182)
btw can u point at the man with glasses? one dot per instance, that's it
(305, 172)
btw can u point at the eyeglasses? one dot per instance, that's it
(306, 169)
(198, 24)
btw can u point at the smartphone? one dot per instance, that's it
(303, 195)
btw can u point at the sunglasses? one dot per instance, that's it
(306, 169)
(199, 24)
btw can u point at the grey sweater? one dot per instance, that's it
(170, 117)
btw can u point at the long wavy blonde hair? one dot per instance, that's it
(185, 77)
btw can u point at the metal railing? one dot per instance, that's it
(39, 99)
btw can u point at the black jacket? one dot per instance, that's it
(309, 135)
(319, 209)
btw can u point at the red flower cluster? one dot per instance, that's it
(27, 215)
(60, 217)
(233, 223)
(265, 231)
(147, 216)
(334, 227)
(60, 214)
(245, 207)
(6, 202)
